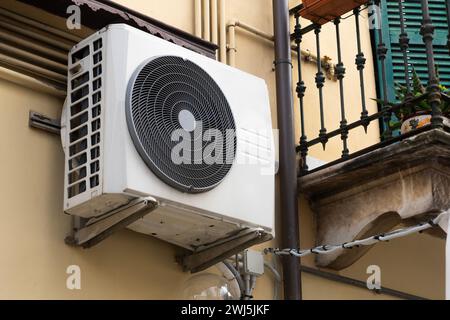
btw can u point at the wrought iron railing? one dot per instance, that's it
(433, 93)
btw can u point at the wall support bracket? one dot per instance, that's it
(40, 121)
(200, 260)
(89, 232)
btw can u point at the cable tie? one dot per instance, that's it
(344, 246)
(312, 251)
(324, 248)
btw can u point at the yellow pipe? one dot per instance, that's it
(198, 18)
(206, 21)
(214, 35)
(222, 32)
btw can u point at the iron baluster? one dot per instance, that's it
(320, 80)
(360, 62)
(404, 45)
(381, 53)
(340, 74)
(434, 92)
(301, 89)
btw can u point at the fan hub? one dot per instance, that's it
(187, 120)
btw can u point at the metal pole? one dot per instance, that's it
(287, 170)
(434, 93)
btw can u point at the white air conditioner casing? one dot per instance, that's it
(96, 137)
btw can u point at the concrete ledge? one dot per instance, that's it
(401, 183)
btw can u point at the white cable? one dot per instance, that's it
(327, 249)
(274, 271)
(234, 284)
(248, 293)
(252, 285)
(276, 276)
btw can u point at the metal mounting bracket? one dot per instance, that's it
(89, 232)
(200, 260)
(40, 121)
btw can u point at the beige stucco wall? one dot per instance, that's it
(132, 266)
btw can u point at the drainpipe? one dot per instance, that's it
(287, 171)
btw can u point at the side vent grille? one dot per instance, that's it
(84, 147)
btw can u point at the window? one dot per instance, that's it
(416, 54)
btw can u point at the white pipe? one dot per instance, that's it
(276, 276)
(214, 25)
(206, 21)
(232, 44)
(234, 285)
(233, 24)
(247, 287)
(252, 285)
(233, 262)
(253, 30)
(274, 271)
(222, 32)
(198, 18)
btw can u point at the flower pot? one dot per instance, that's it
(323, 11)
(419, 120)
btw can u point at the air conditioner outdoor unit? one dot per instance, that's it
(145, 118)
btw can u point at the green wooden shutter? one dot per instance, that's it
(417, 55)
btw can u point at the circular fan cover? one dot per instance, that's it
(170, 94)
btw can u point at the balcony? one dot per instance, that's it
(404, 176)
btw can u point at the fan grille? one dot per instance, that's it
(170, 94)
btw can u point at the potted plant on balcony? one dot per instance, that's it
(411, 117)
(323, 11)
